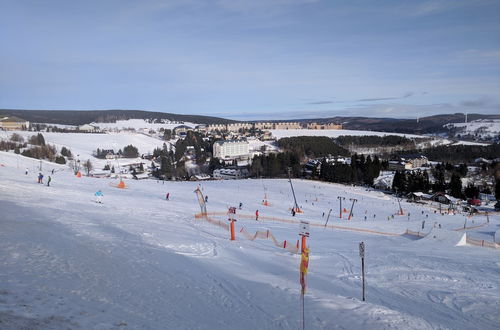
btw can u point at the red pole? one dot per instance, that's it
(304, 238)
(233, 236)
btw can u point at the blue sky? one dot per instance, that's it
(256, 59)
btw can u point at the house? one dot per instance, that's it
(418, 196)
(415, 160)
(88, 128)
(481, 160)
(231, 173)
(181, 129)
(444, 198)
(11, 123)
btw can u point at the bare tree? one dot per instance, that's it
(88, 166)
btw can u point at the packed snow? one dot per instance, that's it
(138, 261)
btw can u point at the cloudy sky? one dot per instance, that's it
(255, 59)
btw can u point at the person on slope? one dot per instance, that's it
(26, 171)
(257, 215)
(167, 196)
(40, 178)
(48, 181)
(98, 196)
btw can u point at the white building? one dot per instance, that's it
(229, 173)
(230, 149)
(88, 128)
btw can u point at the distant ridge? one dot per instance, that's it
(425, 125)
(80, 117)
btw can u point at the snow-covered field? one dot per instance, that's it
(481, 128)
(139, 124)
(82, 145)
(333, 133)
(138, 261)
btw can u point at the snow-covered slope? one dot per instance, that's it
(139, 124)
(481, 128)
(83, 145)
(138, 261)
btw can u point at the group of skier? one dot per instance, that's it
(40, 178)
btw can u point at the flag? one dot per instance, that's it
(304, 264)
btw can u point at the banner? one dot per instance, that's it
(304, 264)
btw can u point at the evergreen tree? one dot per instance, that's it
(497, 189)
(456, 186)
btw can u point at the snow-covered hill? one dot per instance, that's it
(140, 124)
(138, 261)
(282, 133)
(481, 129)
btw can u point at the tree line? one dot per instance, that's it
(361, 170)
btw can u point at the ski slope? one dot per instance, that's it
(138, 261)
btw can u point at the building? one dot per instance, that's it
(11, 123)
(287, 125)
(235, 127)
(182, 129)
(230, 149)
(231, 173)
(264, 126)
(88, 128)
(314, 125)
(415, 160)
(216, 127)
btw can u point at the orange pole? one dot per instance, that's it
(233, 236)
(304, 238)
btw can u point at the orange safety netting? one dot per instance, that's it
(268, 235)
(259, 234)
(263, 218)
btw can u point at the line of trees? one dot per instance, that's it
(459, 153)
(276, 165)
(361, 170)
(312, 146)
(374, 141)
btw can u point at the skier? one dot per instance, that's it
(167, 196)
(240, 206)
(98, 196)
(206, 199)
(48, 181)
(26, 171)
(257, 215)
(40, 178)
(293, 212)
(52, 171)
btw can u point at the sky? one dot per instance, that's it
(255, 59)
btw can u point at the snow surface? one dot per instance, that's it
(139, 124)
(138, 261)
(82, 145)
(483, 128)
(282, 133)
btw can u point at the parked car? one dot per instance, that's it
(474, 201)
